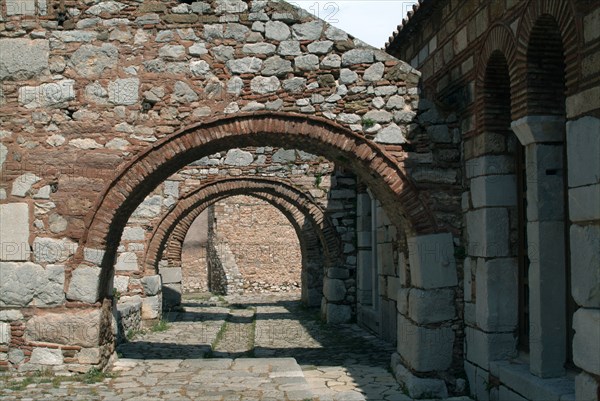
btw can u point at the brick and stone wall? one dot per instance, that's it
(265, 247)
(518, 77)
(103, 105)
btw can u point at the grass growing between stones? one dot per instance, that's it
(159, 326)
(46, 376)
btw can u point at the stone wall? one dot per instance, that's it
(264, 245)
(194, 266)
(103, 103)
(530, 229)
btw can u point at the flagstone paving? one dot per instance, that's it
(263, 348)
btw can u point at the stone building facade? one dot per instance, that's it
(119, 117)
(523, 80)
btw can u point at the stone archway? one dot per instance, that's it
(169, 234)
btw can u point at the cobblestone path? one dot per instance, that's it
(263, 348)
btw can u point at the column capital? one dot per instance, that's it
(539, 129)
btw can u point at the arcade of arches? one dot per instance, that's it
(449, 203)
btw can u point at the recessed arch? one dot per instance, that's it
(542, 25)
(498, 51)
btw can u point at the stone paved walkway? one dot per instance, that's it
(263, 348)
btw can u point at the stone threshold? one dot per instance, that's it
(515, 375)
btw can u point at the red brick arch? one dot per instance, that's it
(140, 176)
(562, 13)
(293, 203)
(499, 40)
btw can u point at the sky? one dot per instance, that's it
(372, 21)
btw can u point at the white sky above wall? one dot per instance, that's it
(372, 21)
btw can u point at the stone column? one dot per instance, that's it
(543, 138)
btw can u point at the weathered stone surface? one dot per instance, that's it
(374, 72)
(432, 261)
(171, 275)
(89, 356)
(90, 61)
(151, 285)
(46, 356)
(308, 31)
(586, 348)
(23, 58)
(307, 62)
(585, 254)
(276, 66)
(246, 65)
(582, 151)
(199, 67)
(583, 202)
(321, 47)
(331, 61)
(289, 48)
(276, 30)
(84, 284)
(417, 387)
(172, 52)
(14, 232)
(133, 234)
(497, 294)
(431, 306)
(231, 6)
(391, 134)
(294, 85)
(264, 85)
(121, 283)
(347, 76)
(151, 307)
(74, 327)
(485, 237)
(47, 95)
(50, 250)
(9, 315)
(379, 116)
(127, 261)
(238, 157)
(284, 156)
(425, 349)
(124, 91)
(106, 7)
(494, 190)
(236, 31)
(334, 290)
(197, 49)
(357, 56)
(4, 333)
(259, 48)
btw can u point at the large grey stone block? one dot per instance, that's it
(545, 185)
(583, 148)
(488, 232)
(483, 348)
(585, 265)
(84, 284)
(584, 203)
(417, 387)
(497, 294)
(23, 58)
(127, 261)
(14, 232)
(539, 129)
(432, 263)
(50, 250)
(494, 190)
(151, 285)
(586, 388)
(586, 347)
(489, 165)
(334, 290)
(431, 306)
(171, 275)
(46, 356)
(338, 314)
(425, 349)
(23, 284)
(4, 333)
(75, 327)
(47, 95)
